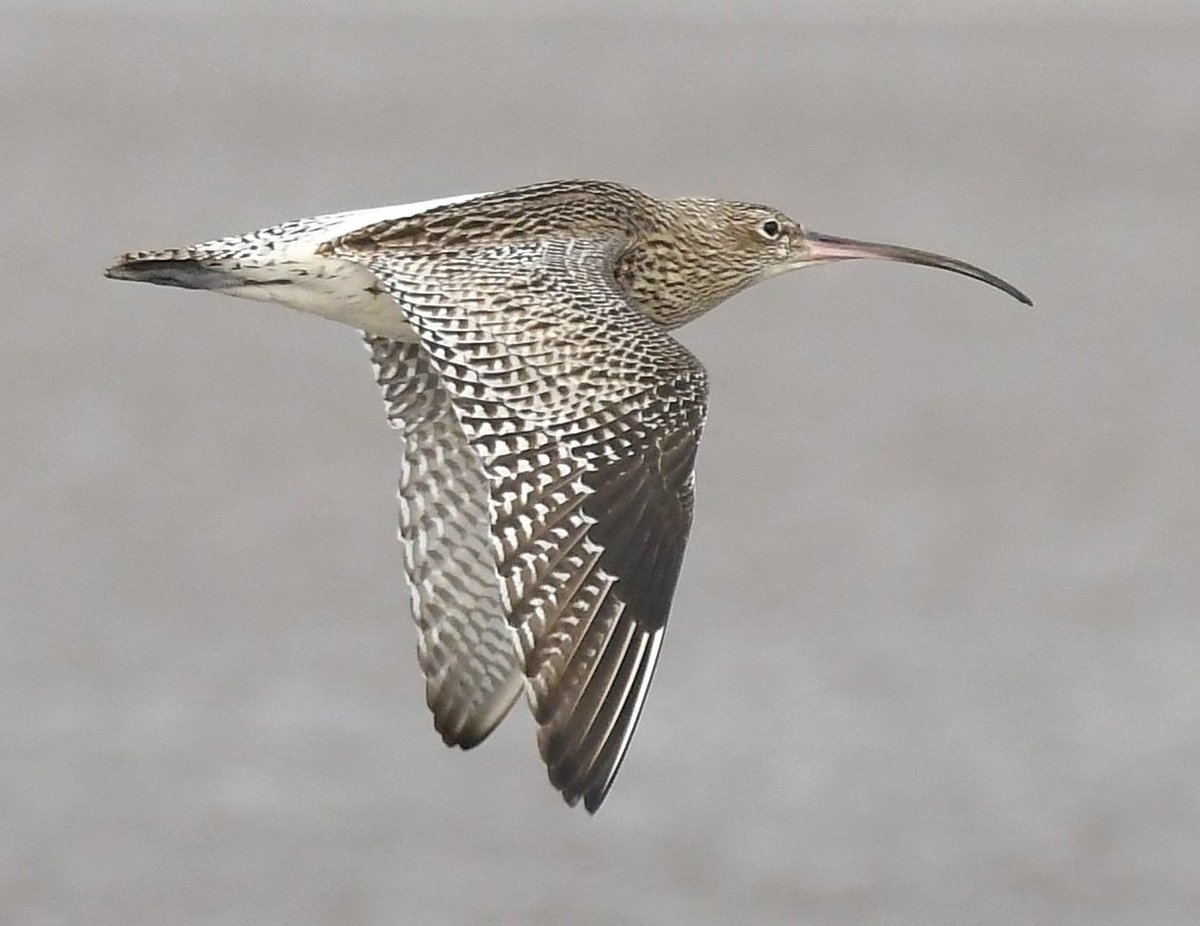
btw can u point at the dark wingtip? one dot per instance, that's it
(592, 802)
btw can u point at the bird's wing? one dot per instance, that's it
(586, 418)
(472, 675)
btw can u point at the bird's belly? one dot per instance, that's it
(335, 289)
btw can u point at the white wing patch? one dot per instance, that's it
(342, 223)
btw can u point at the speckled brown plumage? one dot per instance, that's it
(550, 422)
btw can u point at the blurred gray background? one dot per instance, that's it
(934, 657)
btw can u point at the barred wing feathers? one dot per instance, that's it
(464, 647)
(585, 418)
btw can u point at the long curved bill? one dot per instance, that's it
(820, 248)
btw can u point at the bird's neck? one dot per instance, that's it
(664, 279)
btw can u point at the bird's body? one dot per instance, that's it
(550, 423)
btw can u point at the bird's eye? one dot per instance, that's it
(769, 229)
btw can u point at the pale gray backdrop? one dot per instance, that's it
(935, 651)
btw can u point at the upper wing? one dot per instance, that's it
(465, 646)
(586, 417)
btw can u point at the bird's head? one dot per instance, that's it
(705, 250)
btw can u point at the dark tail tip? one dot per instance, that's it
(167, 268)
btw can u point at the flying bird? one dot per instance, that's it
(522, 340)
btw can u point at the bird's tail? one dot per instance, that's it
(185, 267)
(280, 264)
(238, 264)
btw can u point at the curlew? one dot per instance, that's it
(549, 420)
